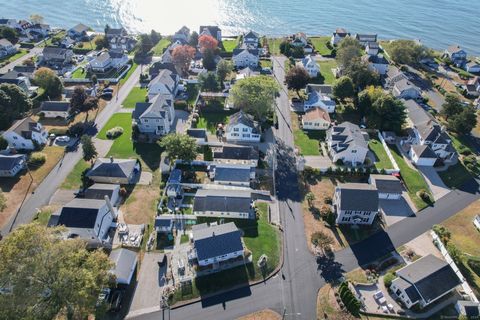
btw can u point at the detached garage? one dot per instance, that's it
(388, 186)
(423, 155)
(125, 263)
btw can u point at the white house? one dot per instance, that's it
(355, 203)
(230, 174)
(55, 109)
(250, 40)
(24, 134)
(339, 35)
(316, 119)
(54, 56)
(468, 309)
(124, 265)
(87, 219)
(235, 154)
(377, 63)
(78, 32)
(108, 60)
(424, 281)
(6, 48)
(372, 48)
(155, 117)
(11, 165)
(242, 127)
(164, 223)
(311, 66)
(319, 96)
(388, 186)
(365, 39)
(423, 155)
(224, 203)
(404, 89)
(166, 83)
(117, 171)
(216, 244)
(346, 142)
(22, 80)
(300, 40)
(243, 58)
(457, 55)
(11, 23)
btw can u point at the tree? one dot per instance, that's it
(343, 88)
(49, 276)
(78, 98)
(452, 106)
(91, 103)
(3, 143)
(207, 42)
(455, 253)
(297, 78)
(193, 39)
(13, 104)
(297, 52)
(388, 279)
(310, 197)
(443, 233)
(9, 33)
(208, 59)
(463, 122)
(88, 148)
(387, 114)
(349, 50)
(208, 82)
(144, 44)
(101, 42)
(285, 48)
(366, 99)
(3, 201)
(48, 81)
(360, 74)
(255, 95)
(408, 52)
(155, 37)
(321, 240)
(179, 147)
(224, 67)
(182, 56)
(36, 18)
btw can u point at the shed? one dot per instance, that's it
(125, 264)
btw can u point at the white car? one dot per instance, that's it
(64, 139)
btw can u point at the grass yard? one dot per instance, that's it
(128, 74)
(455, 176)
(48, 42)
(123, 146)
(74, 178)
(229, 45)
(266, 63)
(160, 47)
(274, 45)
(213, 114)
(382, 160)
(43, 216)
(80, 73)
(326, 71)
(460, 142)
(322, 45)
(136, 95)
(14, 57)
(413, 180)
(307, 141)
(184, 238)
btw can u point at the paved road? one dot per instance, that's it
(33, 52)
(51, 183)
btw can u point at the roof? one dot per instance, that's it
(55, 106)
(373, 45)
(222, 200)
(409, 289)
(100, 190)
(404, 84)
(5, 43)
(325, 89)
(431, 276)
(424, 151)
(237, 51)
(80, 213)
(156, 108)
(358, 197)
(245, 119)
(175, 176)
(163, 221)
(124, 261)
(197, 133)
(55, 51)
(250, 34)
(378, 59)
(24, 127)
(79, 28)
(472, 64)
(366, 37)
(115, 31)
(341, 31)
(454, 49)
(232, 174)
(395, 74)
(9, 162)
(316, 114)
(215, 241)
(345, 135)
(469, 308)
(213, 30)
(416, 113)
(166, 77)
(236, 152)
(386, 183)
(308, 60)
(109, 167)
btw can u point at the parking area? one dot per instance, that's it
(435, 183)
(318, 162)
(397, 210)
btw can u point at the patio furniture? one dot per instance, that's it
(384, 309)
(382, 300)
(377, 295)
(390, 307)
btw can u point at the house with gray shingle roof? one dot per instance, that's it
(457, 55)
(118, 171)
(377, 63)
(216, 244)
(356, 203)
(11, 165)
(404, 89)
(165, 83)
(78, 32)
(235, 154)
(250, 40)
(154, 118)
(25, 134)
(124, 265)
(54, 56)
(346, 142)
(388, 186)
(311, 65)
(224, 204)
(242, 127)
(6, 48)
(108, 60)
(228, 174)
(55, 109)
(213, 31)
(244, 57)
(339, 35)
(424, 281)
(365, 39)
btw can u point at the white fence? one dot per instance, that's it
(389, 154)
(443, 250)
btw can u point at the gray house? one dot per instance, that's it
(346, 142)
(224, 204)
(233, 154)
(356, 203)
(125, 263)
(78, 32)
(11, 165)
(56, 57)
(118, 171)
(424, 281)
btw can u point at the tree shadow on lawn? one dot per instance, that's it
(150, 153)
(233, 277)
(286, 174)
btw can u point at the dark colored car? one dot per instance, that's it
(116, 300)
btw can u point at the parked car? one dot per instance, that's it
(62, 139)
(116, 301)
(107, 89)
(106, 95)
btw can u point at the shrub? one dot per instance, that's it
(327, 200)
(59, 131)
(423, 194)
(180, 105)
(339, 162)
(464, 150)
(37, 159)
(114, 132)
(348, 299)
(474, 265)
(388, 278)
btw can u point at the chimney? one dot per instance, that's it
(111, 159)
(111, 208)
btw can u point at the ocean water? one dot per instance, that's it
(437, 23)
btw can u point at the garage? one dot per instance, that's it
(423, 155)
(388, 186)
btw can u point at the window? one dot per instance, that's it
(354, 151)
(15, 138)
(236, 129)
(246, 135)
(245, 129)
(145, 120)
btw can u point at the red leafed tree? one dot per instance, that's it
(182, 56)
(207, 42)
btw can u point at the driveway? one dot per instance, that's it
(396, 210)
(148, 292)
(180, 121)
(435, 183)
(318, 162)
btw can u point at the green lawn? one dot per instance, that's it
(160, 47)
(321, 45)
(43, 216)
(123, 146)
(74, 178)
(129, 73)
(326, 74)
(14, 57)
(210, 120)
(308, 141)
(136, 95)
(192, 92)
(413, 179)
(266, 63)
(455, 176)
(60, 34)
(459, 142)
(229, 45)
(382, 161)
(274, 45)
(184, 238)
(80, 73)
